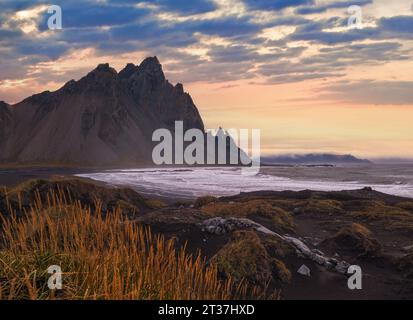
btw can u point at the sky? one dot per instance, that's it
(295, 69)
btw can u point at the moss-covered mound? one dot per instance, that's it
(259, 261)
(354, 238)
(202, 201)
(261, 210)
(89, 194)
(392, 218)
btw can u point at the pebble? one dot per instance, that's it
(304, 271)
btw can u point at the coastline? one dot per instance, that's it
(361, 227)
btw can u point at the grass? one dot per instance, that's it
(277, 217)
(355, 237)
(316, 206)
(101, 257)
(202, 201)
(244, 258)
(87, 192)
(392, 218)
(247, 256)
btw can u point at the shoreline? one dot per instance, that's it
(12, 176)
(360, 227)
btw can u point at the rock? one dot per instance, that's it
(318, 252)
(408, 248)
(231, 224)
(220, 226)
(342, 267)
(299, 254)
(320, 259)
(301, 246)
(304, 271)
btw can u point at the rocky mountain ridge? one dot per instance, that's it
(104, 119)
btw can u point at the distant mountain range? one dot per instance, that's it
(105, 118)
(313, 158)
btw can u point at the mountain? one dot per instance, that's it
(5, 121)
(313, 158)
(105, 118)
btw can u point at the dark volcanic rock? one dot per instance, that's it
(106, 118)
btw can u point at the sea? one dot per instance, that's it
(192, 182)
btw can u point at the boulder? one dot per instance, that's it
(304, 271)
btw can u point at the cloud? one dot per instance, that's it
(316, 34)
(398, 27)
(275, 4)
(333, 5)
(372, 92)
(380, 52)
(6, 34)
(224, 27)
(184, 7)
(239, 45)
(87, 14)
(286, 72)
(330, 62)
(187, 7)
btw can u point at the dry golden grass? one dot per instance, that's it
(321, 207)
(283, 273)
(278, 217)
(392, 218)
(406, 205)
(202, 201)
(101, 257)
(357, 238)
(244, 257)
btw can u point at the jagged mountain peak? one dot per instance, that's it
(150, 62)
(105, 67)
(151, 66)
(126, 72)
(105, 118)
(179, 87)
(100, 77)
(102, 70)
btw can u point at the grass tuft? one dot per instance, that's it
(102, 256)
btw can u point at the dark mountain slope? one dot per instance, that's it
(105, 118)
